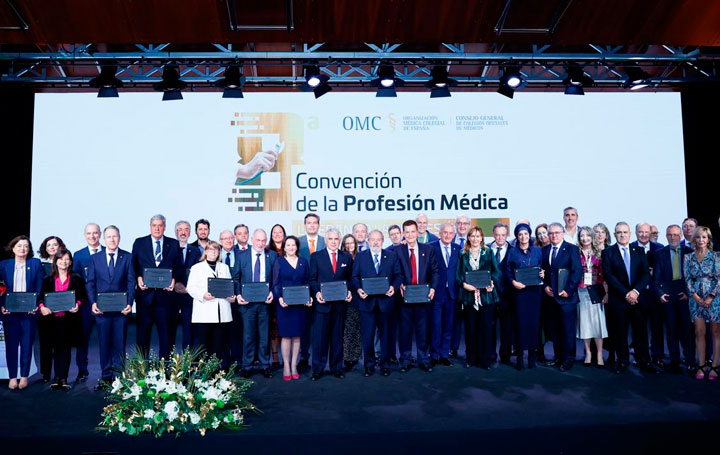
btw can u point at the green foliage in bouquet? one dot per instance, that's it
(187, 393)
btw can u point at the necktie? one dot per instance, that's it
(312, 246)
(377, 264)
(413, 266)
(94, 250)
(554, 254)
(447, 256)
(676, 264)
(111, 266)
(256, 269)
(462, 242)
(361, 247)
(227, 259)
(334, 261)
(626, 259)
(184, 254)
(158, 252)
(497, 254)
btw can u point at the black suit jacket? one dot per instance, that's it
(615, 275)
(143, 257)
(662, 273)
(364, 267)
(321, 271)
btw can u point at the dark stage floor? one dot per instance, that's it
(585, 410)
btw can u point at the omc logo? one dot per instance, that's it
(357, 123)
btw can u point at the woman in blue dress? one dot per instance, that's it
(527, 298)
(702, 277)
(290, 270)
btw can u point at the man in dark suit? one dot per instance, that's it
(154, 305)
(561, 255)
(182, 301)
(669, 268)
(81, 261)
(648, 299)
(111, 271)
(446, 254)
(230, 257)
(500, 247)
(418, 265)
(329, 265)
(626, 271)
(202, 231)
(376, 310)
(256, 266)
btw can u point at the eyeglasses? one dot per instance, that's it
(555, 233)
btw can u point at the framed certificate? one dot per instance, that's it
(478, 278)
(563, 276)
(596, 293)
(296, 295)
(20, 302)
(157, 278)
(417, 293)
(333, 291)
(529, 276)
(221, 288)
(673, 289)
(112, 302)
(60, 301)
(255, 292)
(375, 286)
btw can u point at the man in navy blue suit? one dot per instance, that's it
(111, 271)
(153, 305)
(561, 255)
(376, 310)
(328, 265)
(182, 301)
(447, 253)
(669, 268)
(418, 265)
(626, 271)
(81, 261)
(500, 247)
(231, 257)
(648, 299)
(256, 266)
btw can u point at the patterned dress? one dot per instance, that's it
(591, 316)
(703, 278)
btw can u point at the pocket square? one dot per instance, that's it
(343, 265)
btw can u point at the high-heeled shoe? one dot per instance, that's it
(287, 378)
(23, 383)
(296, 376)
(13, 384)
(713, 370)
(700, 372)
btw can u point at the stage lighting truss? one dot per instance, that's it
(378, 67)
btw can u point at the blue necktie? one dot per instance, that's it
(158, 252)
(462, 242)
(227, 259)
(184, 254)
(554, 254)
(256, 269)
(377, 264)
(447, 256)
(626, 259)
(111, 265)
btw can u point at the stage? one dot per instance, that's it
(584, 410)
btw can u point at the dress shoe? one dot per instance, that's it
(426, 368)
(565, 366)
(520, 363)
(339, 374)
(453, 354)
(385, 371)
(394, 360)
(551, 363)
(369, 372)
(82, 376)
(620, 367)
(315, 376)
(45, 379)
(267, 373)
(245, 373)
(433, 362)
(445, 362)
(60, 384)
(650, 368)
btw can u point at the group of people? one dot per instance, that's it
(559, 282)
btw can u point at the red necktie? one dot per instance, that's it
(334, 262)
(413, 266)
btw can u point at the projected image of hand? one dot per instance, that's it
(261, 162)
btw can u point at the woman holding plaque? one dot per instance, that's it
(352, 342)
(591, 323)
(211, 315)
(478, 304)
(702, 277)
(277, 235)
(290, 270)
(48, 249)
(22, 273)
(60, 329)
(528, 298)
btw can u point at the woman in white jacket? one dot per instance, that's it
(211, 316)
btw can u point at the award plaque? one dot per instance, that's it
(296, 295)
(333, 291)
(112, 302)
(20, 302)
(157, 278)
(60, 301)
(478, 278)
(417, 293)
(529, 276)
(221, 288)
(375, 286)
(596, 293)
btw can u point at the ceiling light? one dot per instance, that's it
(171, 85)
(107, 83)
(232, 82)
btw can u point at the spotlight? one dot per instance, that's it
(510, 80)
(232, 82)
(171, 85)
(440, 83)
(106, 83)
(386, 82)
(316, 81)
(636, 78)
(575, 81)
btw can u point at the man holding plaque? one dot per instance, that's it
(443, 316)
(309, 243)
(376, 307)
(230, 256)
(110, 275)
(669, 286)
(327, 267)
(158, 256)
(563, 272)
(255, 267)
(81, 262)
(505, 306)
(418, 265)
(182, 302)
